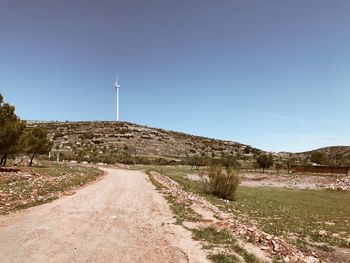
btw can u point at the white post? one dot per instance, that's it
(58, 156)
(117, 103)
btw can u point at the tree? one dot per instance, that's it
(264, 161)
(230, 162)
(36, 142)
(279, 166)
(319, 158)
(290, 162)
(196, 161)
(305, 164)
(11, 128)
(130, 151)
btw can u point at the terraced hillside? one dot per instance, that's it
(85, 141)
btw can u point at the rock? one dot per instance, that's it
(286, 259)
(311, 259)
(341, 184)
(322, 233)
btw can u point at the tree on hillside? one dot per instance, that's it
(230, 162)
(130, 151)
(196, 161)
(305, 164)
(264, 161)
(319, 158)
(36, 142)
(11, 129)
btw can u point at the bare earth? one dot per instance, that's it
(120, 218)
(295, 181)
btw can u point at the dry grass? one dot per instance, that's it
(33, 186)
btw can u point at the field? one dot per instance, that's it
(310, 219)
(25, 187)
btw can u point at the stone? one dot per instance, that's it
(322, 233)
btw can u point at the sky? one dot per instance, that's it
(272, 74)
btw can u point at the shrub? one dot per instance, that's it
(223, 183)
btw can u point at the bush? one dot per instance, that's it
(223, 183)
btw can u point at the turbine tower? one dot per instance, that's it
(117, 88)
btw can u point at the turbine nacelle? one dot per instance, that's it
(117, 85)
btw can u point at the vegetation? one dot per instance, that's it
(290, 162)
(264, 161)
(312, 210)
(38, 185)
(35, 141)
(213, 237)
(11, 129)
(197, 162)
(14, 139)
(221, 183)
(319, 158)
(183, 212)
(223, 238)
(224, 258)
(271, 209)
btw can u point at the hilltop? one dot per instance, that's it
(102, 140)
(332, 154)
(332, 151)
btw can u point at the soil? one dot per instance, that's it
(297, 181)
(120, 218)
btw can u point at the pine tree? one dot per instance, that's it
(11, 128)
(36, 142)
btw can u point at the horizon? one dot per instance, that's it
(272, 75)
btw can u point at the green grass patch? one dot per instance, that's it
(303, 212)
(218, 237)
(213, 235)
(295, 214)
(223, 258)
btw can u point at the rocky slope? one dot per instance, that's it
(84, 140)
(334, 154)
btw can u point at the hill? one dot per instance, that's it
(333, 154)
(333, 151)
(108, 141)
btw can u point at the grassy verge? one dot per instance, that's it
(38, 185)
(213, 238)
(224, 239)
(183, 212)
(297, 215)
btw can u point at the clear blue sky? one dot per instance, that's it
(273, 74)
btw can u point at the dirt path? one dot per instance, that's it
(121, 218)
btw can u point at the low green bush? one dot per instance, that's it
(222, 183)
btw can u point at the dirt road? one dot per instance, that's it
(120, 218)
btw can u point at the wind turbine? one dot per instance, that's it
(117, 88)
